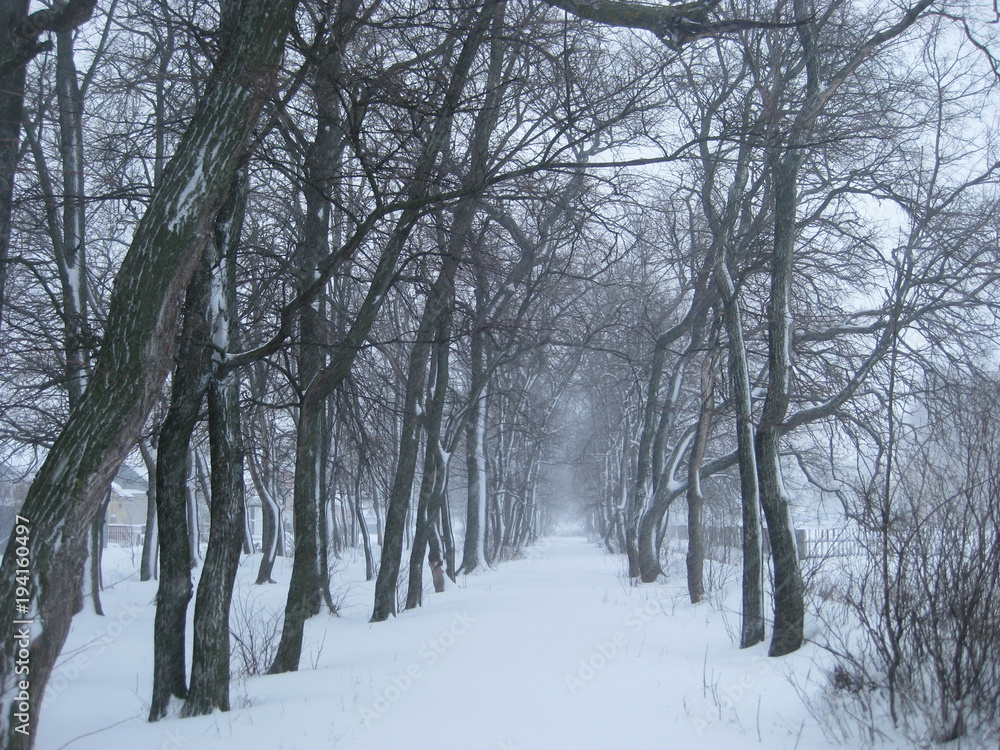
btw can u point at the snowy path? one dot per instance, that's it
(551, 652)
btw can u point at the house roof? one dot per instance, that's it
(129, 483)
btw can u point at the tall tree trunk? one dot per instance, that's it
(73, 264)
(210, 654)
(150, 544)
(308, 583)
(329, 529)
(209, 689)
(696, 501)
(783, 159)
(789, 605)
(97, 539)
(402, 485)
(428, 507)
(363, 526)
(310, 436)
(136, 354)
(173, 462)
(447, 532)
(271, 515)
(752, 620)
(641, 489)
(12, 12)
(646, 553)
(473, 556)
(305, 589)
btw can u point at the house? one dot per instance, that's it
(128, 499)
(126, 514)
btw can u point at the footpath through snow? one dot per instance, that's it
(552, 652)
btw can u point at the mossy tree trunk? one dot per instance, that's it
(173, 460)
(209, 689)
(428, 504)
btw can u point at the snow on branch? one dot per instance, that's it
(676, 25)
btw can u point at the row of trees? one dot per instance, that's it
(788, 328)
(360, 240)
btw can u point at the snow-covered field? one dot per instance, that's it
(549, 652)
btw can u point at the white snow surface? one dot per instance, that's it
(548, 652)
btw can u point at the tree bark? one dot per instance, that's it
(305, 588)
(429, 505)
(209, 689)
(150, 543)
(271, 520)
(789, 604)
(210, 654)
(752, 620)
(73, 260)
(406, 464)
(475, 462)
(97, 539)
(695, 561)
(363, 526)
(173, 460)
(309, 585)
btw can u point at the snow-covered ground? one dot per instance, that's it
(549, 652)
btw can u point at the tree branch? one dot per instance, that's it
(676, 25)
(22, 44)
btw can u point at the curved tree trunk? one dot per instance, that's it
(209, 689)
(174, 592)
(150, 543)
(696, 502)
(752, 620)
(789, 604)
(271, 521)
(475, 440)
(363, 526)
(429, 505)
